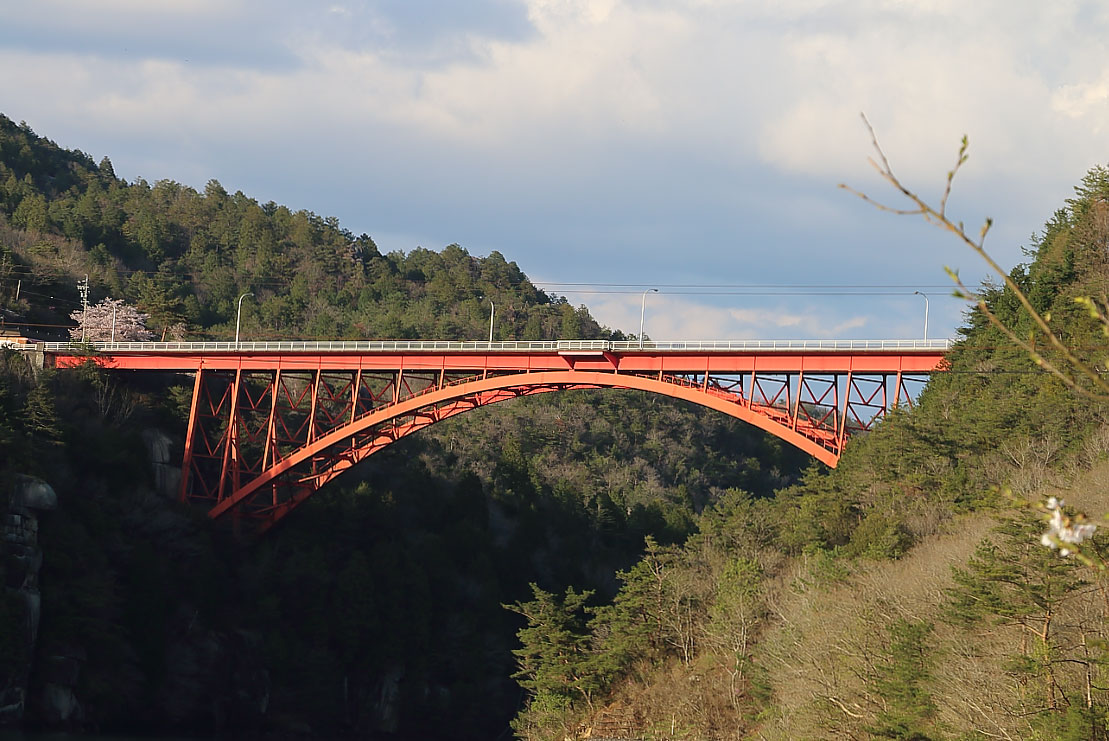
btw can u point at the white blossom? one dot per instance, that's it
(110, 319)
(1062, 531)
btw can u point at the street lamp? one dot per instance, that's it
(492, 309)
(642, 309)
(239, 316)
(925, 295)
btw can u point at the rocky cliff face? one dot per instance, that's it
(140, 647)
(22, 559)
(167, 471)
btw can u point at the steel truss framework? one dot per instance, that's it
(268, 430)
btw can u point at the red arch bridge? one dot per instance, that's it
(272, 422)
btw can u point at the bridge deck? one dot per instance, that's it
(691, 356)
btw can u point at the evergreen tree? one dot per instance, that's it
(554, 657)
(40, 415)
(9, 433)
(902, 681)
(633, 627)
(734, 616)
(1013, 580)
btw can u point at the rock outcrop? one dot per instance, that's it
(167, 472)
(20, 602)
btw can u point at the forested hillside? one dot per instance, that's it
(380, 610)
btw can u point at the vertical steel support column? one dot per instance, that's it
(316, 381)
(897, 389)
(187, 460)
(310, 433)
(269, 452)
(841, 434)
(797, 401)
(355, 390)
(231, 436)
(788, 389)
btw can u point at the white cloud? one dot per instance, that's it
(1088, 101)
(783, 82)
(668, 317)
(114, 11)
(927, 75)
(644, 138)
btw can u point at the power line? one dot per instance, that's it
(752, 292)
(71, 302)
(12, 323)
(274, 280)
(612, 288)
(743, 285)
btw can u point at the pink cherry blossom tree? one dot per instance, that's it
(111, 318)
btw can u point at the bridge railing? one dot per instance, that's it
(435, 346)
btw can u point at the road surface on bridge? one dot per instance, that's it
(680, 355)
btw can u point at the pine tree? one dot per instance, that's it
(40, 417)
(633, 627)
(901, 682)
(555, 656)
(8, 428)
(738, 608)
(1013, 580)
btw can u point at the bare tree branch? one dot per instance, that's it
(938, 217)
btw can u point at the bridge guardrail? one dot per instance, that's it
(419, 346)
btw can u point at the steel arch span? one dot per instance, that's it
(269, 426)
(264, 464)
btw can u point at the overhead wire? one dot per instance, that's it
(588, 292)
(738, 285)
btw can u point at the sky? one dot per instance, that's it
(606, 146)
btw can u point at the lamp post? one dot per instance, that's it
(642, 310)
(925, 295)
(492, 310)
(239, 316)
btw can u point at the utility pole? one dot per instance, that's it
(6, 273)
(83, 289)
